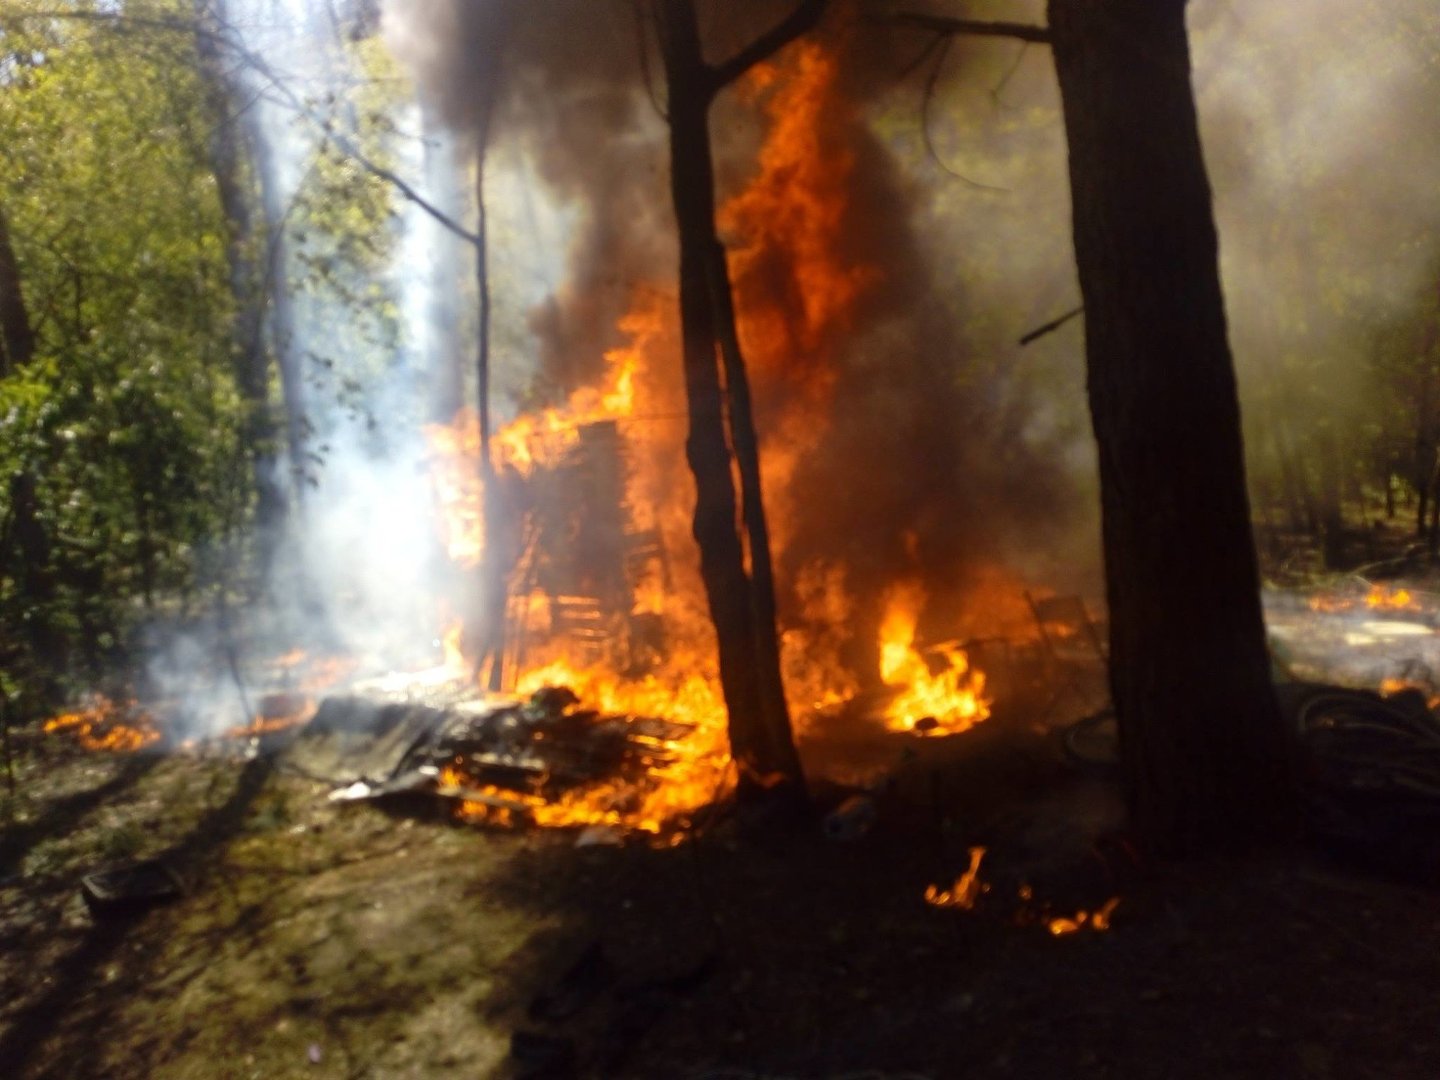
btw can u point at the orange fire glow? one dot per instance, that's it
(966, 890)
(688, 772)
(943, 697)
(1383, 599)
(798, 289)
(1378, 598)
(107, 725)
(276, 712)
(531, 440)
(797, 286)
(1099, 919)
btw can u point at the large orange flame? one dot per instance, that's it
(797, 294)
(796, 287)
(942, 697)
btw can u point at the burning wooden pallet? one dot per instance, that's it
(510, 755)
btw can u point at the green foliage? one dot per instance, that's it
(344, 227)
(128, 418)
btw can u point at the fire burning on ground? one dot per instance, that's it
(969, 888)
(1376, 598)
(105, 725)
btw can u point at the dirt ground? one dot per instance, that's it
(317, 939)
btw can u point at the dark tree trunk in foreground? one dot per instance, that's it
(1205, 755)
(17, 339)
(741, 599)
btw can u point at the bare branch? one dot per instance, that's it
(799, 21)
(1052, 325)
(930, 148)
(973, 27)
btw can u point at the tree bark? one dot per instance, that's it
(745, 443)
(1205, 755)
(251, 363)
(17, 337)
(283, 339)
(494, 559)
(272, 288)
(444, 169)
(498, 555)
(741, 601)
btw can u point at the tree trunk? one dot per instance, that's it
(251, 360)
(1333, 548)
(746, 444)
(17, 338)
(444, 169)
(1423, 468)
(494, 559)
(1205, 755)
(499, 553)
(271, 288)
(283, 339)
(760, 737)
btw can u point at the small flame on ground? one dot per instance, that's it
(105, 725)
(1392, 686)
(1098, 920)
(968, 889)
(276, 712)
(1384, 599)
(965, 891)
(1378, 598)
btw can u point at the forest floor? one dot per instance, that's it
(323, 939)
(317, 939)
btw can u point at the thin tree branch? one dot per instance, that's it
(930, 83)
(1052, 325)
(974, 27)
(799, 21)
(642, 41)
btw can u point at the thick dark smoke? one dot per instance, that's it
(565, 97)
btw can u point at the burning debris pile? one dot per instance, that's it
(543, 760)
